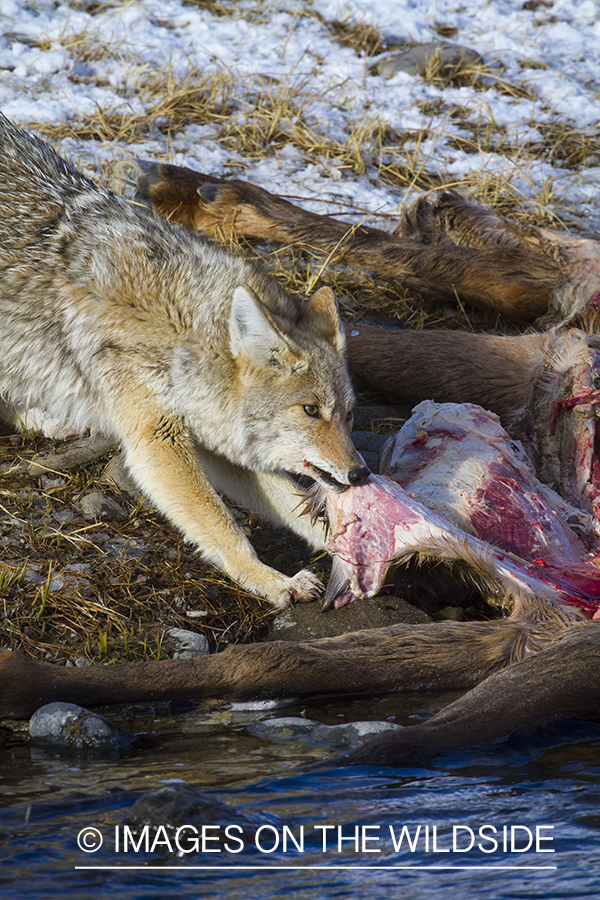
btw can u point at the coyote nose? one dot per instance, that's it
(357, 476)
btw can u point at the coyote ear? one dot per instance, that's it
(320, 312)
(253, 336)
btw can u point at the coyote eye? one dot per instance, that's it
(311, 409)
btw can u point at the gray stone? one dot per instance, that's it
(339, 737)
(68, 725)
(49, 483)
(418, 59)
(188, 644)
(173, 805)
(286, 728)
(98, 505)
(64, 516)
(350, 734)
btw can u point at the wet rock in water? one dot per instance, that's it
(339, 737)
(419, 59)
(187, 644)
(285, 728)
(165, 809)
(350, 734)
(99, 505)
(69, 725)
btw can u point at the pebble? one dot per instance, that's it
(285, 728)
(174, 804)
(98, 505)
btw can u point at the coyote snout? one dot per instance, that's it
(212, 377)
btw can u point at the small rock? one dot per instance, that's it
(49, 483)
(351, 734)
(286, 728)
(32, 576)
(172, 805)
(64, 516)
(419, 58)
(68, 725)
(116, 473)
(340, 737)
(99, 505)
(188, 644)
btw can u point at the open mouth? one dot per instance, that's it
(324, 478)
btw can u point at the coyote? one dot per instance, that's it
(211, 376)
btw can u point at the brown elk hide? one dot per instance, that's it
(483, 260)
(543, 662)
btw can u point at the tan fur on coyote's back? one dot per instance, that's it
(208, 372)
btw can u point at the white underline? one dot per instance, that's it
(267, 868)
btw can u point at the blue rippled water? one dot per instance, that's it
(345, 820)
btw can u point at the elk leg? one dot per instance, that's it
(496, 372)
(445, 655)
(562, 681)
(509, 277)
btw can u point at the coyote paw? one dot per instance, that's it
(302, 587)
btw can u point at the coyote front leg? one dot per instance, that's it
(163, 458)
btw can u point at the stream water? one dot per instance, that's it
(525, 818)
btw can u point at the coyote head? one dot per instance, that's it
(281, 394)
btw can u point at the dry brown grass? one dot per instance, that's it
(133, 579)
